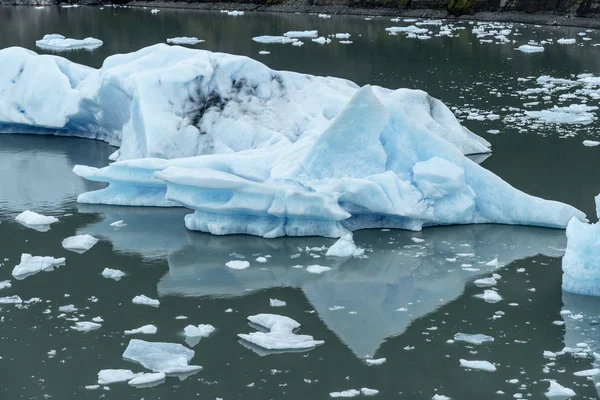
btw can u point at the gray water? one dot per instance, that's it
(403, 302)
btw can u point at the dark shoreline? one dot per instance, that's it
(303, 6)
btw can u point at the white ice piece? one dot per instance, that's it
(317, 269)
(591, 143)
(145, 301)
(558, 392)
(566, 41)
(109, 376)
(266, 39)
(11, 300)
(322, 40)
(118, 224)
(86, 326)
(527, 48)
(184, 41)
(145, 330)
(148, 379)
(490, 296)
(31, 265)
(477, 338)
(375, 361)
(113, 274)
(237, 264)
(33, 219)
(56, 42)
(281, 336)
(170, 358)
(301, 34)
(277, 303)
(480, 365)
(345, 247)
(202, 330)
(79, 243)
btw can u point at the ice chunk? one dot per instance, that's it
(113, 274)
(264, 52)
(86, 326)
(345, 247)
(237, 264)
(573, 114)
(375, 361)
(148, 379)
(118, 224)
(146, 330)
(440, 397)
(407, 29)
(184, 41)
(31, 265)
(369, 392)
(558, 392)
(591, 143)
(588, 372)
(493, 263)
(483, 282)
(235, 13)
(35, 220)
(301, 34)
(317, 269)
(109, 376)
(322, 40)
(5, 284)
(281, 336)
(202, 330)
(277, 303)
(581, 262)
(170, 358)
(67, 309)
(155, 11)
(480, 365)
(145, 301)
(79, 243)
(473, 338)
(526, 48)
(490, 296)
(274, 39)
(566, 41)
(345, 393)
(56, 42)
(342, 35)
(10, 300)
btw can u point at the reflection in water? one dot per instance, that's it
(381, 295)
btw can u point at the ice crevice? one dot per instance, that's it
(262, 152)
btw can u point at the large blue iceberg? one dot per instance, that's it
(264, 152)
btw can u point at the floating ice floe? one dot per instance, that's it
(155, 11)
(345, 247)
(477, 338)
(235, 13)
(375, 361)
(324, 16)
(56, 42)
(440, 397)
(69, 308)
(113, 274)
(170, 358)
(353, 393)
(145, 301)
(277, 303)
(301, 34)
(281, 336)
(407, 29)
(573, 114)
(480, 365)
(86, 326)
(490, 296)
(79, 243)
(274, 39)
(322, 40)
(237, 264)
(11, 300)
(264, 52)
(110, 376)
(526, 48)
(342, 36)
(591, 143)
(558, 392)
(581, 262)
(36, 221)
(184, 40)
(483, 282)
(317, 269)
(148, 379)
(31, 265)
(145, 330)
(118, 224)
(566, 41)
(202, 330)
(5, 284)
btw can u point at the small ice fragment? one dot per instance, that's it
(479, 365)
(146, 330)
(92, 387)
(277, 303)
(85, 326)
(301, 34)
(317, 269)
(369, 392)
(565, 41)
(67, 309)
(490, 296)
(5, 284)
(31, 218)
(202, 330)
(492, 263)
(264, 52)
(261, 259)
(147, 379)
(79, 243)
(591, 143)
(98, 319)
(57, 42)
(345, 247)
(10, 300)
(108, 376)
(281, 336)
(118, 224)
(558, 392)
(181, 317)
(440, 397)
(477, 338)
(322, 40)
(185, 41)
(588, 372)
(145, 300)
(375, 361)
(113, 274)
(483, 282)
(527, 48)
(170, 358)
(345, 393)
(237, 264)
(31, 265)
(155, 11)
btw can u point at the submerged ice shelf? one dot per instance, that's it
(263, 152)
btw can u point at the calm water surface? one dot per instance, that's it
(404, 302)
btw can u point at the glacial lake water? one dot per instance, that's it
(405, 302)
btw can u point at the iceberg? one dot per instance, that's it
(54, 42)
(263, 152)
(170, 358)
(31, 265)
(581, 262)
